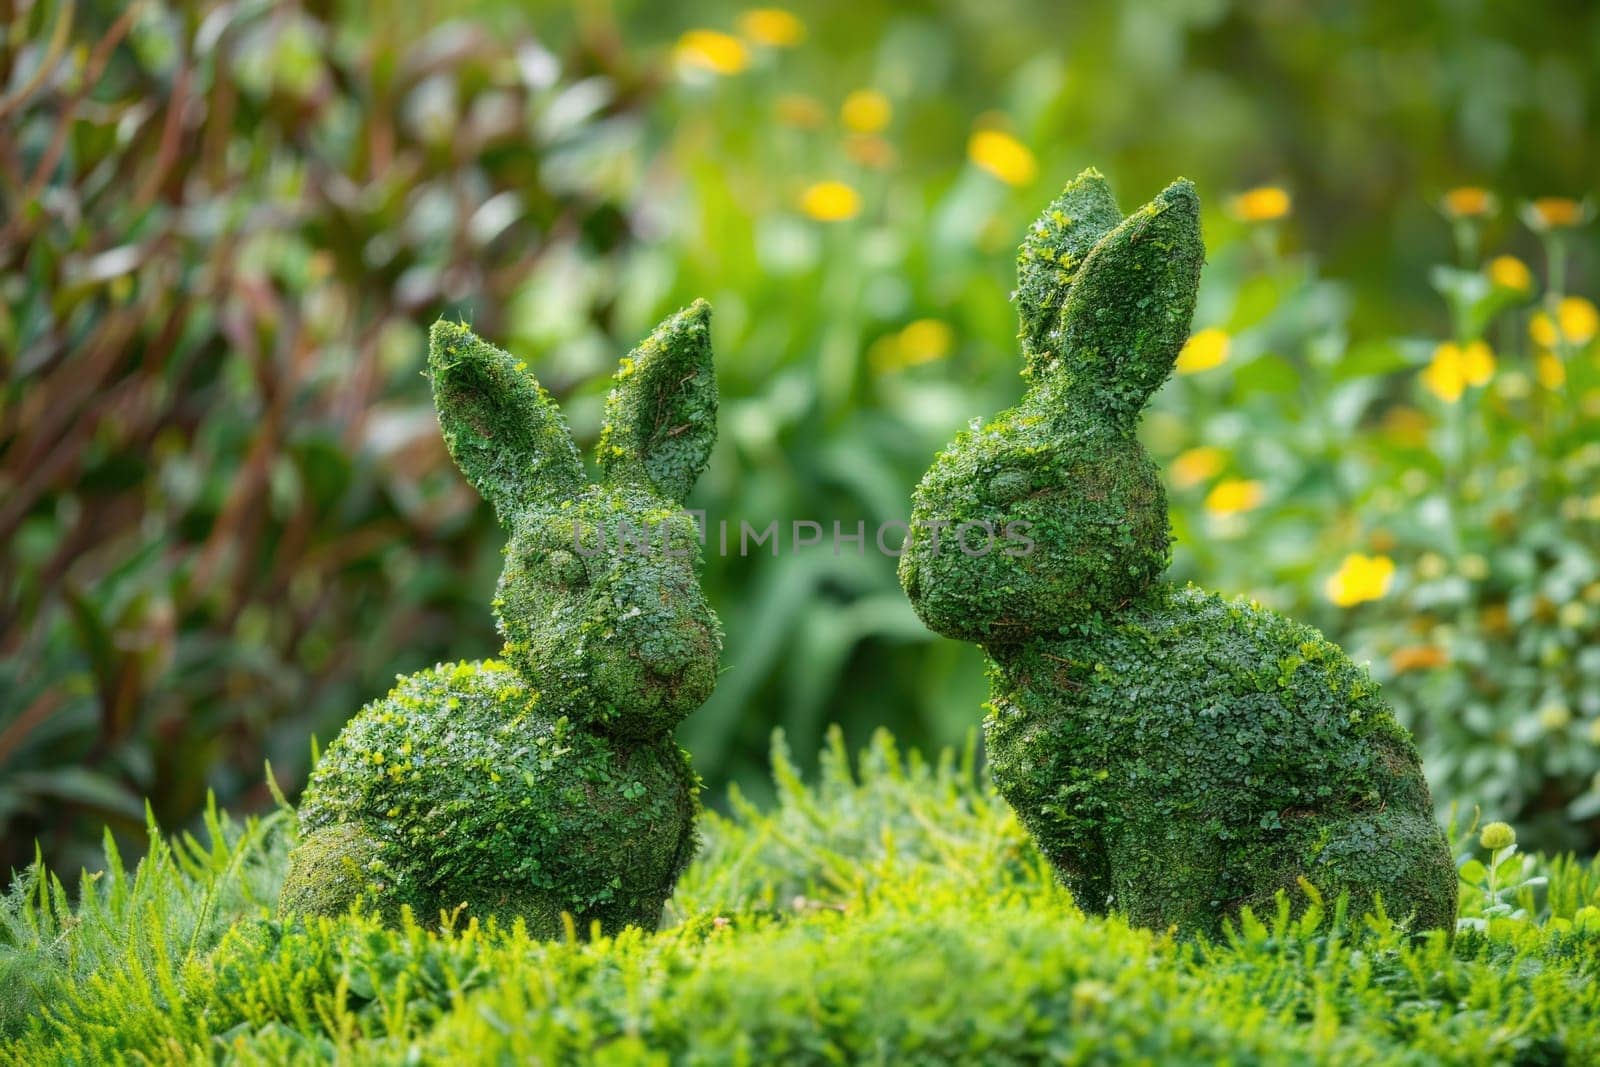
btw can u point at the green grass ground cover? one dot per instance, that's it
(893, 911)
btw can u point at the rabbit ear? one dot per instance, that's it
(502, 429)
(1049, 259)
(1127, 312)
(661, 416)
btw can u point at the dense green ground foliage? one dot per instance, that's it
(893, 912)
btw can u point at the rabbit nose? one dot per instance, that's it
(668, 658)
(668, 642)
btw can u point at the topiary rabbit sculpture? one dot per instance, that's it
(1177, 756)
(548, 782)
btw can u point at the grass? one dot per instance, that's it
(890, 912)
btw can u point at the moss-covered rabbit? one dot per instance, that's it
(548, 782)
(1177, 756)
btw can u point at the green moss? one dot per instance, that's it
(501, 427)
(1195, 756)
(1127, 313)
(1177, 758)
(661, 419)
(624, 635)
(1051, 256)
(548, 783)
(469, 791)
(333, 868)
(1085, 505)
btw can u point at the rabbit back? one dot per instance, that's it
(1194, 755)
(462, 787)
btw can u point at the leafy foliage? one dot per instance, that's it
(224, 228)
(1473, 498)
(827, 928)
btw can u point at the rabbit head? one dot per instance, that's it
(1076, 512)
(598, 600)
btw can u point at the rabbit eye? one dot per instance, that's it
(1008, 486)
(565, 569)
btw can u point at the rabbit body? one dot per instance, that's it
(1176, 756)
(1194, 756)
(546, 782)
(459, 788)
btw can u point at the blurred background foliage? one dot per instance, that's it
(226, 520)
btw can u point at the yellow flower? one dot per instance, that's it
(711, 50)
(1509, 272)
(1359, 578)
(1477, 363)
(1496, 836)
(926, 340)
(830, 202)
(1443, 379)
(1543, 330)
(1203, 350)
(1197, 464)
(1003, 156)
(1555, 213)
(866, 111)
(772, 26)
(1261, 204)
(1550, 371)
(1455, 367)
(797, 109)
(1469, 202)
(1234, 496)
(1578, 319)
(922, 341)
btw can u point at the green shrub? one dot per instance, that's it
(1428, 501)
(891, 913)
(220, 228)
(551, 782)
(1177, 757)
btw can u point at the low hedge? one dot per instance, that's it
(890, 912)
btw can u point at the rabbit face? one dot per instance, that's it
(598, 600)
(1075, 504)
(1080, 522)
